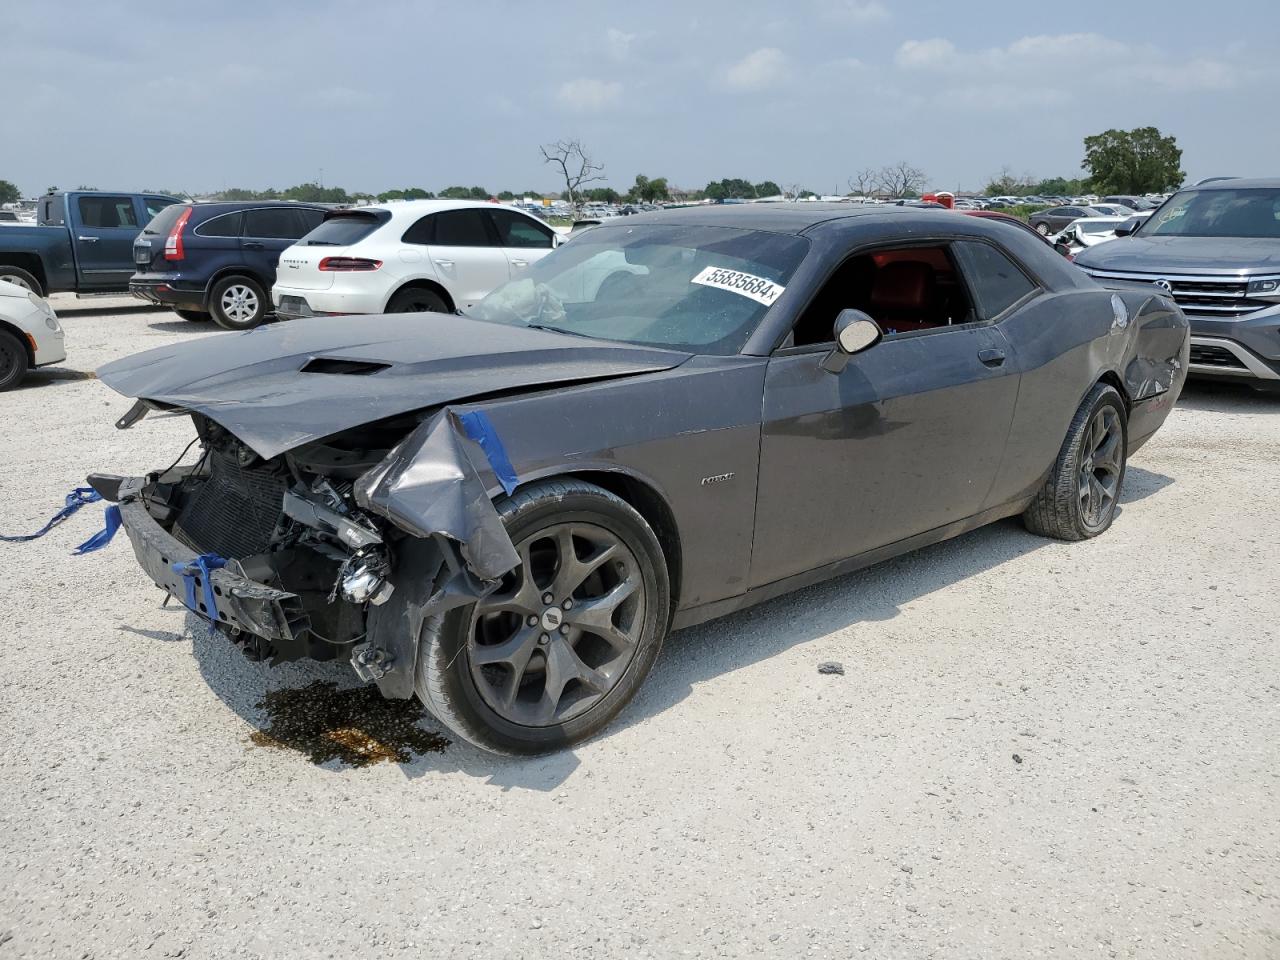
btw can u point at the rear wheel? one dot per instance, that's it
(13, 361)
(195, 316)
(237, 303)
(566, 640)
(1042, 228)
(1079, 498)
(417, 300)
(22, 278)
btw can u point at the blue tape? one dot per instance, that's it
(480, 429)
(76, 499)
(200, 566)
(103, 536)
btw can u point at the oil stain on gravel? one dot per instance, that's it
(356, 727)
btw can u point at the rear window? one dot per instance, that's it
(345, 228)
(226, 225)
(163, 221)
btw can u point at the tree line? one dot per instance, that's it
(1135, 161)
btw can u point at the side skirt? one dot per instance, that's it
(768, 591)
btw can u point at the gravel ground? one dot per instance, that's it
(1035, 749)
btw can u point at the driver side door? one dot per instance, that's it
(907, 438)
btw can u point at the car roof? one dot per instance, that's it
(1259, 183)
(400, 209)
(783, 217)
(214, 207)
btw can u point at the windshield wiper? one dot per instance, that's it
(550, 329)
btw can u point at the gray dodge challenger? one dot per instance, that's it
(663, 421)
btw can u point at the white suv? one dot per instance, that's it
(405, 257)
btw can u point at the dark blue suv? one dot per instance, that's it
(218, 259)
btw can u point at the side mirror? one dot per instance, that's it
(1130, 225)
(854, 333)
(1063, 248)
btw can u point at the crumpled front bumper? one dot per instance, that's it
(240, 603)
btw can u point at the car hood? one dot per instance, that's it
(1202, 255)
(283, 385)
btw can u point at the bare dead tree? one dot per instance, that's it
(575, 165)
(901, 178)
(864, 182)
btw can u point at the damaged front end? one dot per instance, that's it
(338, 548)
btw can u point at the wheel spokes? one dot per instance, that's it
(566, 624)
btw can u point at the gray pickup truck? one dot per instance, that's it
(83, 242)
(1215, 248)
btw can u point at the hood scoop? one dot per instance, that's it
(340, 365)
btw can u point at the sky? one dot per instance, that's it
(390, 93)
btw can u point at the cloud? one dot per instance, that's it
(757, 70)
(855, 11)
(586, 94)
(1027, 71)
(925, 53)
(619, 42)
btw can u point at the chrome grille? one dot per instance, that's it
(1219, 297)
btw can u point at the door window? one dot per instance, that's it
(107, 212)
(227, 225)
(273, 223)
(517, 230)
(997, 282)
(905, 289)
(463, 228)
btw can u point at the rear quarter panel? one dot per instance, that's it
(1065, 343)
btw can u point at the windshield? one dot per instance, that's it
(695, 288)
(1218, 213)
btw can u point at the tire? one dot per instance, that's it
(237, 303)
(417, 300)
(1042, 228)
(501, 703)
(13, 361)
(22, 278)
(195, 316)
(1063, 509)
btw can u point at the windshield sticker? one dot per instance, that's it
(757, 288)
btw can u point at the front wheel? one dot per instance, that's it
(13, 361)
(1042, 228)
(237, 303)
(1080, 495)
(566, 640)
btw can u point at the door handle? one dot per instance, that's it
(253, 245)
(992, 358)
(443, 263)
(519, 263)
(87, 239)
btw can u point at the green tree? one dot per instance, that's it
(465, 193)
(408, 193)
(767, 188)
(601, 195)
(314, 193)
(506, 195)
(1133, 161)
(730, 189)
(9, 193)
(1008, 184)
(649, 191)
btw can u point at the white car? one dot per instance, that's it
(407, 257)
(1112, 209)
(30, 335)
